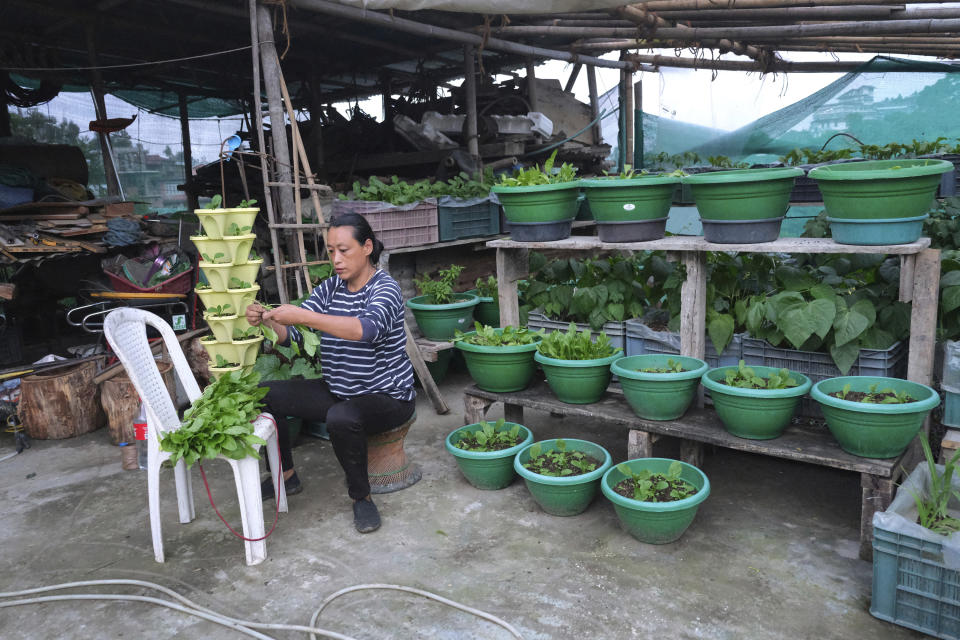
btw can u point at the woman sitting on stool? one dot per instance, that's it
(367, 384)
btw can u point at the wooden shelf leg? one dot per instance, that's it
(923, 316)
(639, 444)
(691, 452)
(877, 496)
(474, 408)
(512, 264)
(693, 309)
(416, 358)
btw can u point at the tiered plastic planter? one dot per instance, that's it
(227, 271)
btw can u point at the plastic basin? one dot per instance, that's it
(487, 470)
(743, 194)
(659, 396)
(488, 311)
(539, 203)
(441, 321)
(499, 369)
(876, 231)
(756, 414)
(656, 522)
(568, 495)
(874, 430)
(577, 381)
(643, 198)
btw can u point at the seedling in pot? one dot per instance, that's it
(218, 258)
(535, 176)
(654, 487)
(559, 462)
(487, 288)
(237, 230)
(672, 367)
(250, 332)
(253, 256)
(487, 336)
(571, 345)
(220, 311)
(214, 203)
(491, 437)
(873, 395)
(223, 363)
(439, 291)
(247, 204)
(744, 377)
(237, 283)
(202, 286)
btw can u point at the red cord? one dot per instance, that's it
(275, 495)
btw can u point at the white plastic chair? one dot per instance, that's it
(126, 331)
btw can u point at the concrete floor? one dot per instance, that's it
(772, 553)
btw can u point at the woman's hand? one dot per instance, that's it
(285, 314)
(254, 313)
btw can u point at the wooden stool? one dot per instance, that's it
(387, 465)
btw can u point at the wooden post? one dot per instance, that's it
(923, 317)
(628, 116)
(316, 131)
(638, 125)
(622, 98)
(96, 89)
(470, 100)
(187, 154)
(693, 305)
(573, 77)
(512, 264)
(594, 103)
(532, 83)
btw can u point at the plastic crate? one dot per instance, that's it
(614, 330)
(951, 408)
(461, 220)
(179, 283)
(805, 190)
(911, 585)
(396, 227)
(642, 339)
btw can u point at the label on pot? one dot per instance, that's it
(629, 206)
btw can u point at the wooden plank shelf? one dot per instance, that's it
(698, 243)
(430, 348)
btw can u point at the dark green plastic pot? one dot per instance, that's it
(629, 200)
(756, 414)
(659, 396)
(488, 311)
(438, 370)
(902, 188)
(577, 381)
(539, 203)
(874, 430)
(656, 522)
(743, 194)
(568, 495)
(441, 321)
(499, 369)
(488, 470)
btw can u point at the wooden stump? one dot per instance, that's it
(120, 402)
(61, 404)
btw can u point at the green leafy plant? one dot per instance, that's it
(673, 366)
(218, 258)
(214, 203)
(247, 204)
(534, 175)
(237, 283)
(399, 192)
(440, 290)
(571, 345)
(487, 288)
(311, 341)
(237, 230)
(220, 311)
(873, 395)
(283, 363)
(223, 363)
(933, 508)
(219, 421)
(744, 377)
(559, 462)
(654, 487)
(253, 255)
(319, 272)
(491, 437)
(487, 336)
(203, 286)
(246, 334)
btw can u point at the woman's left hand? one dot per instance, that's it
(285, 314)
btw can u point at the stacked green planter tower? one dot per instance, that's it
(231, 276)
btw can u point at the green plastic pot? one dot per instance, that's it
(438, 370)
(743, 194)
(216, 372)
(902, 188)
(876, 231)
(236, 248)
(223, 326)
(218, 275)
(488, 311)
(577, 381)
(487, 470)
(659, 396)
(539, 203)
(874, 430)
(568, 495)
(441, 321)
(756, 414)
(630, 200)
(656, 522)
(243, 298)
(216, 222)
(499, 369)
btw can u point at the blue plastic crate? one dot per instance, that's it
(641, 340)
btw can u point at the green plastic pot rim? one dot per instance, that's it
(619, 369)
(471, 301)
(487, 455)
(881, 170)
(200, 212)
(920, 406)
(249, 289)
(702, 494)
(207, 317)
(473, 292)
(248, 340)
(710, 383)
(744, 175)
(223, 369)
(246, 236)
(536, 188)
(595, 362)
(480, 348)
(614, 182)
(212, 340)
(216, 265)
(877, 220)
(566, 480)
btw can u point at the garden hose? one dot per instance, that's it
(246, 627)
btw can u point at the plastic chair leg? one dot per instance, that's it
(153, 498)
(184, 484)
(246, 473)
(273, 459)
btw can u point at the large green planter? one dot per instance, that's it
(642, 198)
(488, 311)
(500, 369)
(874, 430)
(756, 414)
(216, 223)
(569, 495)
(539, 203)
(879, 189)
(577, 381)
(659, 396)
(743, 194)
(488, 470)
(441, 321)
(438, 370)
(656, 522)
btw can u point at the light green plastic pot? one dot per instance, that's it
(568, 495)
(743, 194)
(628, 200)
(659, 396)
(879, 189)
(577, 381)
(539, 203)
(488, 311)
(441, 321)
(874, 430)
(756, 414)
(217, 223)
(499, 369)
(487, 470)
(656, 522)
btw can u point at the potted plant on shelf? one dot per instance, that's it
(874, 417)
(577, 369)
(221, 366)
(562, 475)
(659, 386)
(540, 205)
(755, 402)
(484, 452)
(630, 207)
(218, 222)
(439, 311)
(488, 310)
(222, 320)
(656, 499)
(499, 360)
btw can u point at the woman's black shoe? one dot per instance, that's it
(366, 518)
(291, 485)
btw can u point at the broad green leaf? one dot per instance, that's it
(866, 309)
(847, 327)
(844, 356)
(720, 328)
(797, 324)
(950, 298)
(822, 311)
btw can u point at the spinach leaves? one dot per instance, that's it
(570, 345)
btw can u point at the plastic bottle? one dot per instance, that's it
(140, 432)
(128, 456)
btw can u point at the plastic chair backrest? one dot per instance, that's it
(126, 331)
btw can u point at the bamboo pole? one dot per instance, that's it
(470, 98)
(628, 116)
(573, 77)
(96, 88)
(638, 125)
(780, 13)
(594, 103)
(743, 65)
(532, 84)
(675, 5)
